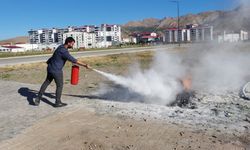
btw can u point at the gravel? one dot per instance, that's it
(224, 112)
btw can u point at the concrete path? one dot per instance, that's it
(17, 111)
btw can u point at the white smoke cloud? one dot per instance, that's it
(217, 68)
(245, 3)
(221, 68)
(240, 19)
(159, 84)
(213, 68)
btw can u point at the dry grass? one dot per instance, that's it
(36, 72)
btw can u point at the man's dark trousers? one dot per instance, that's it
(58, 77)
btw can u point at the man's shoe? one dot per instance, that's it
(37, 101)
(60, 104)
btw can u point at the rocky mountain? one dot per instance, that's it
(233, 20)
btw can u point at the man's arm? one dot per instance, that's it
(83, 64)
(69, 57)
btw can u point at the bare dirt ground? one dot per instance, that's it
(81, 128)
(90, 122)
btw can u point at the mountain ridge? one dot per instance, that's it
(232, 20)
(15, 40)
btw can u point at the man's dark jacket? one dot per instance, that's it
(58, 59)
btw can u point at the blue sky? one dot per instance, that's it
(19, 16)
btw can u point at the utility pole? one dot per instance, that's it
(178, 21)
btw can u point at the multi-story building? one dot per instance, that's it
(82, 39)
(47, 36)
(243, 35)
(108, 35)
(86, 36)
(170, 35)
(192, 33)
(201, 33)
(78, 36)
(233, 36)
(89, 40)
(173, 35)
(33, 36)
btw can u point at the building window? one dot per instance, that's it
(108, 29)
(109, 38)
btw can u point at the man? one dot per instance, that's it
(55, 72)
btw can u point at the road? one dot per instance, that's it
(41, 58)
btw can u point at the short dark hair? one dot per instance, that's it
(69, 40)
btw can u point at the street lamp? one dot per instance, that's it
(178, 20)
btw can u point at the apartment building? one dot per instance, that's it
(88, 36)
(173, 35)
(47, 36)
(201, 33)
(82, 39)
(108, 35)
(85, 36)
(170, 35)
(243, 35)
(192, 33)
(233, 36)
(78, 36)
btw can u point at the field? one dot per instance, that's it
(91, 122)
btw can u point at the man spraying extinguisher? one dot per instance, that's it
(55, 70)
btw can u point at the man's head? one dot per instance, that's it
(69, 42)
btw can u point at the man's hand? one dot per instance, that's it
(83, 64)
(87, 66)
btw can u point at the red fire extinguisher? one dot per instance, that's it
(74, 74)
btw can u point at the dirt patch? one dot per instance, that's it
(84, 129)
